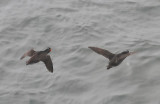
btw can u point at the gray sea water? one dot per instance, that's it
(80, 75)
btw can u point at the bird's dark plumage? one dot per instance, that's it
(114, 59)
(103, 52)
(29, 53)
(37, 56)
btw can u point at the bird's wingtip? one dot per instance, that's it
(22, 57)
(90, 47)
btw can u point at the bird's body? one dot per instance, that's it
(114, 59)
(37, 56)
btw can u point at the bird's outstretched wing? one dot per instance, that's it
(48, 62)
(103, 52)
(29, 53)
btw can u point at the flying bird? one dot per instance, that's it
(37, 56)
(114, 59)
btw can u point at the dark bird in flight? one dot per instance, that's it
(37, 56)
(114, 59)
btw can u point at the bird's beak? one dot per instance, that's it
(132, 53)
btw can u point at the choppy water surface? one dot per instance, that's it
(80, 75)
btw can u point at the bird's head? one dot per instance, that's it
(125, 52)
(48, 50)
